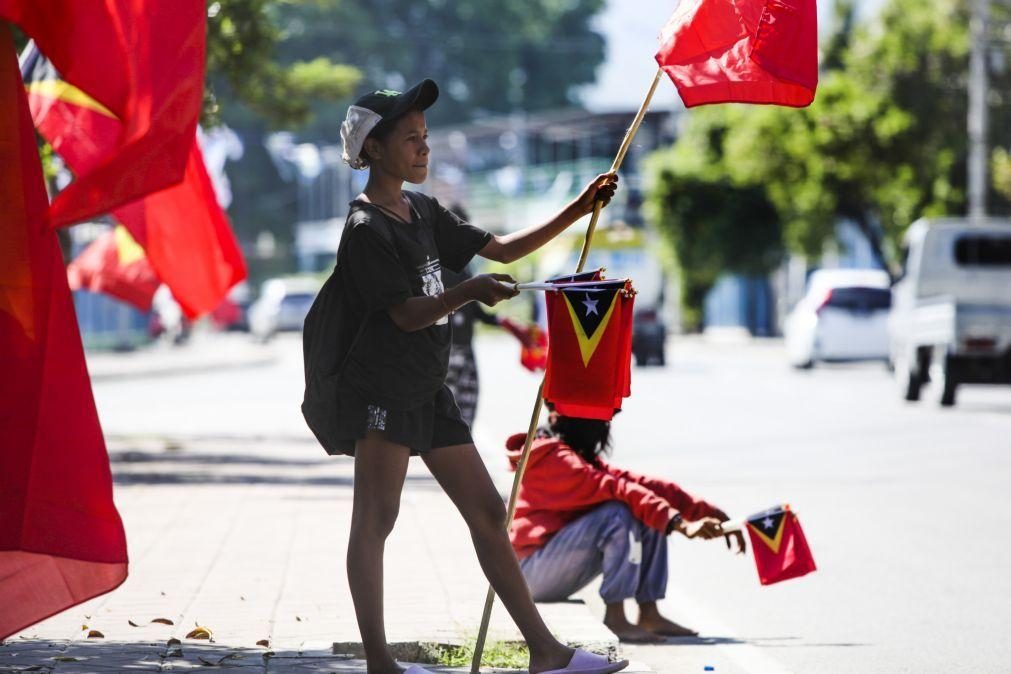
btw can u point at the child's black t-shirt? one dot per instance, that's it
(385, 262)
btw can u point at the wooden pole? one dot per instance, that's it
(482, 634)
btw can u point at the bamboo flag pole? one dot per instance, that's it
(535, 416)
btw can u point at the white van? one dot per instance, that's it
(951, 309)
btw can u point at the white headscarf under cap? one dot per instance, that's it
(355, 129)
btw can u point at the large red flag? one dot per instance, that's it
(742, 51)
(184, 231)
(61, 539)
(116, 265)
(778, 543)
(143, 62)
(589, 352)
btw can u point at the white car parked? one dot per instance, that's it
(282, 305)
(843, 316)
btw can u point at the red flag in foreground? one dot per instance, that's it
(780, 549)
(183, 230)
(742, 51)
(61, 539)
(589, 347)
(143, 62)
(116, 265)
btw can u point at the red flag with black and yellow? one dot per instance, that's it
(589, 345)
(779, 545)
(184, 232)
(143, 62)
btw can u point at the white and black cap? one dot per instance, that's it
(380, 108)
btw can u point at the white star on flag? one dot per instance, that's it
(591, 306)
(767, 523)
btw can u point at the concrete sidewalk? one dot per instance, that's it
(203, 352)
(247, 539)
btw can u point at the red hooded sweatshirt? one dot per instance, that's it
(559, 486)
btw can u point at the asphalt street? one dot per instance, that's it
(904, 505)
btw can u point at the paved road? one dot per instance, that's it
(904, 505)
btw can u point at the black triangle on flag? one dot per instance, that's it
(768, 525)
(590, 305)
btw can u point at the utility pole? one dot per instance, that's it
(978, 114)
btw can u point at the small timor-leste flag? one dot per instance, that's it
(589, 345)
(778, 543)
(742, 51)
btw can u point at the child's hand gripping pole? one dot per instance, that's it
(535, 416)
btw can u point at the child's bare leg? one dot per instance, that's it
(380, 468)
(462, 474)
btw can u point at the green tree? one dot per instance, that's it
(712, 227)
(244, 66)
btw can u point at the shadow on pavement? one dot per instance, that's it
(31, 655)
(178, 467)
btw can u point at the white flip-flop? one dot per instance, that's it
(416, 669)
(588, 663)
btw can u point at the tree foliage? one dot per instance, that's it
(243, 66)
(713, 226)
(884, 142)
(488, 56)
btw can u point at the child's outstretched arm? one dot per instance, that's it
(511, 247)
(417, 313)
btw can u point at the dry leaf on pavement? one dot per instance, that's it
(199, 632)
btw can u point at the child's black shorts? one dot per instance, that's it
(430, 425)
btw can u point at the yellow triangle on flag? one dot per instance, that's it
(588, 344)
(775, 541)
(128, 249)
(64, 91)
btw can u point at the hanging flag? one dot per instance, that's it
(742, 51)
(185, 233)
(780, 548)
(116, 265)
(589, 354)
(142, 61)
(188, 239)
(61, 539)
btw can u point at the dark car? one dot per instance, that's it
(649, 336)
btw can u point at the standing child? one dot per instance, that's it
(376, 348)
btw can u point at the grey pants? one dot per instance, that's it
(608, 540)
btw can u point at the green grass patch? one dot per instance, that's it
(502, 654)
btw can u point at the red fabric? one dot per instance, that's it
(559, 486)
(742, 51)
(186, 235)
(584, 379)
(783, 553)
(144, 61)
(61, 539)
(100, 269)
(188, 239)
(534, 357)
